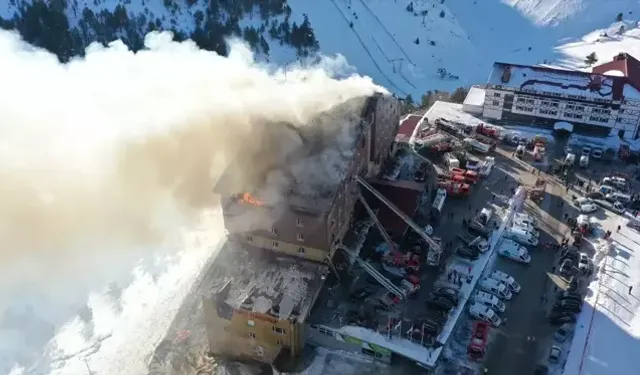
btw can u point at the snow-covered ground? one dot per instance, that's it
(607, 337)
(403, 45)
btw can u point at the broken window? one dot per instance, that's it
(279, 330)
(274, 231)
(275, 244)
(299, 223)
(300, 237)
(301, 250)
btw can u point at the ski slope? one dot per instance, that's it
(465, 41)
(607, 337)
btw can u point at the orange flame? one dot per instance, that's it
(250, 199)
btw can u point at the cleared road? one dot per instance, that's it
(510, 352)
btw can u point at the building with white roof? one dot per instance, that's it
(604, 102)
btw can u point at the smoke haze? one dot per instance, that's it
(108, 154)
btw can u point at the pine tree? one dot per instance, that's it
(459, 95)
(591, 59)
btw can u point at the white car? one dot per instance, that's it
(514, 252)
(582, 200)
(526, 227)
(583, 263)
(525, 217)
(554, 354)
(588, 208)
(507, 279)
(524, 222)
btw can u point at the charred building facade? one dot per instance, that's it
(604, 102)
(258, 312)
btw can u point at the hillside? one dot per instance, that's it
(407, 46)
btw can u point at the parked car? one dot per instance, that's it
(506, 279)
(440, 303)
(541, 370)
(467, 253)
(569, 296)
(554, 354)
(450, 293)
(595, 195)
(566, 267)
(588, 208)
(567, 306)
(584, 262)
(527, 217)
(574, 284)
(563, 332)
(561, 317)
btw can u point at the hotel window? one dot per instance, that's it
(252, 335)
(279, 330)
(301, 250)
(496, 103)
(274, 231)
(299, 223)
(275, 244)
(300, 237)
(570, 106)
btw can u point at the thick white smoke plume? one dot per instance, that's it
(106, 156)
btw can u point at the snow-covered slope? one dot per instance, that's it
(414, 46)
(462, 37)
(607, 337)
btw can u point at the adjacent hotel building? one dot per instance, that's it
(603, 102)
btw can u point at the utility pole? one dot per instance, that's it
(87, 364)
(393, 62)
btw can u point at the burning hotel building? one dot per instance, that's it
(281, 240)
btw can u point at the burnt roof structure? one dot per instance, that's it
(317, 158)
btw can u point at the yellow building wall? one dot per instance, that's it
(250, 336)
(298, 250)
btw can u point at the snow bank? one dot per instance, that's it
(607, 337)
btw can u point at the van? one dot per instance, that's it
(618, 182)
(521, 236)
(524, 222)
(606, 189)
(513, 251)
(496, 288)
(506, 279)
(451, 161)
(584, 161)
(523, 216)
(620, 197)
(526, 227)
(481, 312)
(489, 300)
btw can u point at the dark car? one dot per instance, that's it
(574, 285)
(559, 318)
(541, 370)
(360, 294)
(466, 252)
(440, 303)
(569, 296)
(595, 195)
(450, 293)
(566, 267)
(567, 306)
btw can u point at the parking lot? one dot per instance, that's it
(523, 343)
